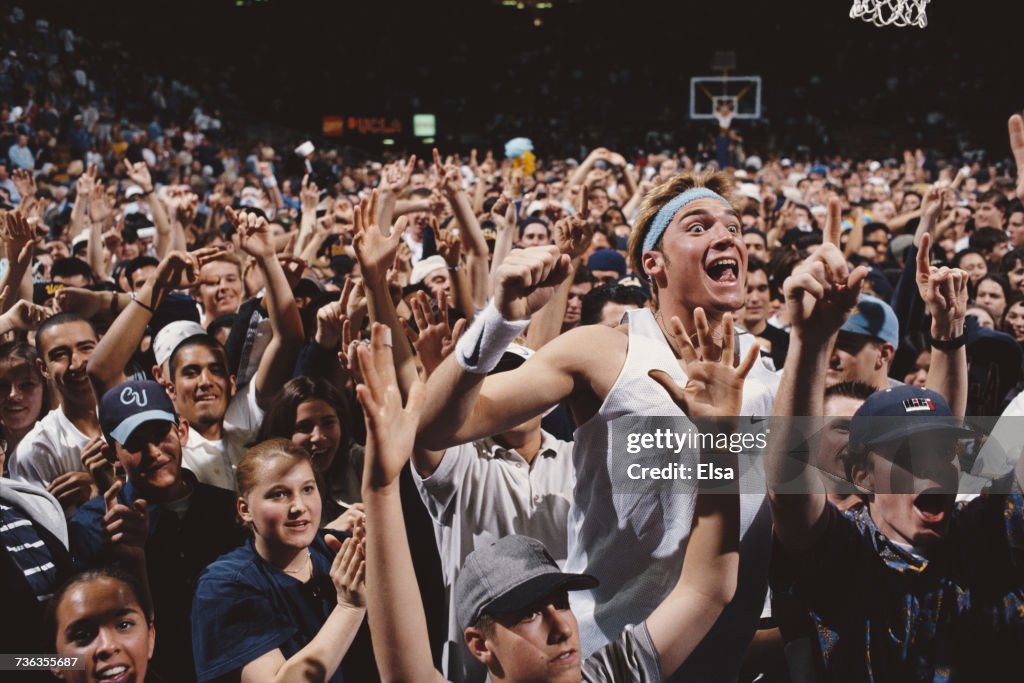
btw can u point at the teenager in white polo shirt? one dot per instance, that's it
(517, 482)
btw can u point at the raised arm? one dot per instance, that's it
(503, 213)
(401, 644)
(819, 296)
(944, 291)
(85, 188)
(579, 176)
(474, 244)
(572, 237)
(393, 180)
(17, 232)
(276, 365)
(375, 254)
(712, 397)
(177, 270)
(457, 411)
(1016, 126)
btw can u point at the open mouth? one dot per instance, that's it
(932, 506)
(723, 270)
(300, 525)
(115, 674)
(567, 658)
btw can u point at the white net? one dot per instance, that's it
(724, 117)
(891, 12)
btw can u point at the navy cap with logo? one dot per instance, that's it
(898, 413)
(508, 575)
(132, 404)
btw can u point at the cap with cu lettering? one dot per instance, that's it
(132, 404)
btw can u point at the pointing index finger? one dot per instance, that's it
(110, 496)
(832, 223)
(923, 260)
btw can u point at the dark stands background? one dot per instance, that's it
(595, 71)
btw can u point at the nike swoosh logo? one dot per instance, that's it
(474, 358)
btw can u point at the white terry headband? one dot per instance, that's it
(664, 216)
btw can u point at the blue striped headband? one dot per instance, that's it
(664, 216)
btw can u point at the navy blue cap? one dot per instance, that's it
(131, 404)
(607, 259)
(873, 318)
(897, 413)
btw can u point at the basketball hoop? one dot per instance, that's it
(891, 12)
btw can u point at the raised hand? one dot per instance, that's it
(1017, 145)
(449, 177)
(73, 488)
(390, 427)
(138, 173)
(309, 195)
(24, 183)
(437, 205)
(350, 519)
(449, 244)
(188, 205)
(330, 324)
(17, 231)
(944, 291)
(86, 182)
(84, 302)
(527, 278)
(24, 316)
(101, 204)
(573, 233)
(98, 458)
(348, 571)
(435, 339)
(374, 251)
(253, 233)
(180, 270)
(395, 177)
(714, 386)
(821, 291)
(125, 528)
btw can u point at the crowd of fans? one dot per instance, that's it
(356, 422)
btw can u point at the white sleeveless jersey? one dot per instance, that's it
(633, 543)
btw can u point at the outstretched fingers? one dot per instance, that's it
(923, 256)
(747, 364)
(669, 385)
(686, 349)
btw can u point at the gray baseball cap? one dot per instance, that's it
(508, 575)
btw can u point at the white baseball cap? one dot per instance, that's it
(171, 335)
(425, 267)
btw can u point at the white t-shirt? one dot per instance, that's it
(416, 247)
(214, 462)
(52, 448)
(482, 492)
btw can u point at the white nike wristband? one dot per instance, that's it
(482, 345)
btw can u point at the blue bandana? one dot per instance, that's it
(664, 216)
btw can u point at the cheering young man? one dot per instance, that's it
(687, 242)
